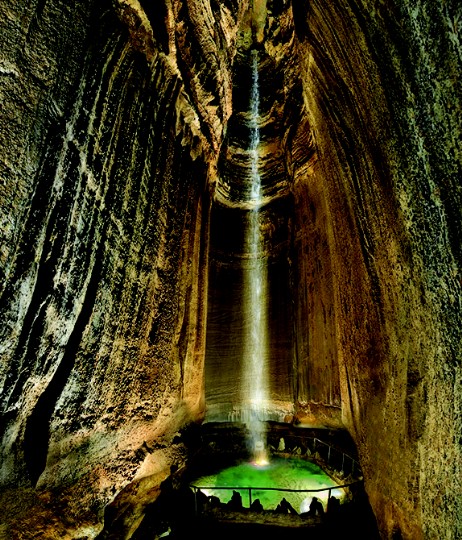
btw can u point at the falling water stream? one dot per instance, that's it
(254, 376)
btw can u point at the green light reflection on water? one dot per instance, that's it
(289, 473)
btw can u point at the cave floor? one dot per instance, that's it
(233, 526)
(249, 525)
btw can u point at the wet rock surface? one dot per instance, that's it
(123, 140)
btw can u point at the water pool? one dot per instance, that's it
(291, 473)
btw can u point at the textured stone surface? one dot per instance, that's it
(106, 157)
(122, 141)
(382, 93)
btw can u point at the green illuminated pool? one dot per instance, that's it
(289, 473)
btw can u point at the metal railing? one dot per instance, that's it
(331, 460)
(320, 452)
(330, 456)
(286, 490)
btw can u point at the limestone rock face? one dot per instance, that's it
(124, 161)
(110, 125)
(382, 96)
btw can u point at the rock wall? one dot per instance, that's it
(109, 131)
(383, 96)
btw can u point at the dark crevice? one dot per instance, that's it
(37, 432)
(157, 15)
(32, 326)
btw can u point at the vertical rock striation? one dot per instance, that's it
(383, 96)
(112, 124)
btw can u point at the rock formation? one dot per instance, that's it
(124, 131)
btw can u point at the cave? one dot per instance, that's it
(127, 143)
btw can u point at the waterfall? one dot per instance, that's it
(255, 186)
(255, 378)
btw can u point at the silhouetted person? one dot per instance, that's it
(333, 506)
(201, 501)
(313, 505)
(214, 502)
(316, 507)
(235, 503)
(256, 506)
(284, 507)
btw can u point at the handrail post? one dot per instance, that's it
(250, 497)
